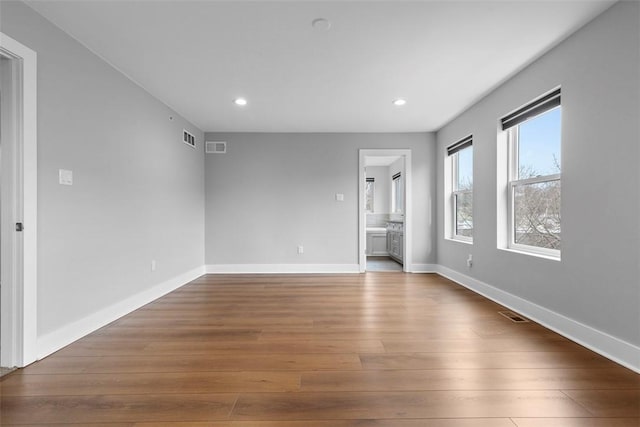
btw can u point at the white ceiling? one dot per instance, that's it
(197, 56)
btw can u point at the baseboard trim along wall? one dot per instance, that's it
(424, 268)
(281, 268)
(64, 336)
(622, 352)
(301, 268)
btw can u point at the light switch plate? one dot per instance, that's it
(65, 177)
(339, 197)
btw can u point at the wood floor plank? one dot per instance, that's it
(488, 360)
(482, 345)
(426, 404)
(176, 334)
(160, 383)
(116, 408)
(211, 321)
(319, 334)
(608, 403)
(292, 347)
(72, 425)
(471, 379)
(96, 347)
(577, 422)
(191, 363)
(449, 422)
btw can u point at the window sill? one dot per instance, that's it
(532, 253)
(453, 239)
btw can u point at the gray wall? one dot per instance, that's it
(272, 192)
(598, 280)
(138, 191)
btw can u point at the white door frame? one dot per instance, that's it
(19, 290)
(407, 249)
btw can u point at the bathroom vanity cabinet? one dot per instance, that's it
(376, 241)
(395, 240)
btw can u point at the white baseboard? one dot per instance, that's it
(64, 336)
(424, 268)
(301, 268)
(281, 268)
(622, 352)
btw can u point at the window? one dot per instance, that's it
(369, 191)
(534, 176)
(397, 193)
(461, 158)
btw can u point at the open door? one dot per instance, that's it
(402, 245)
(18, 192)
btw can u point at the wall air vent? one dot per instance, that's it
(514, 317)
(188, 138)
(216, 147)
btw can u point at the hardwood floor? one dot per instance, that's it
(4, 371)
(379, 349)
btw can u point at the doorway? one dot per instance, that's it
(18, 196)
(384, 213)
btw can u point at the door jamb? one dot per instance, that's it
(23, 293)
(408, 206)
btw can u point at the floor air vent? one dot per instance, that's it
(514, 317)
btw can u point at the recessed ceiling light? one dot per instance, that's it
(321, 24)
(399, 102)
(240, 101)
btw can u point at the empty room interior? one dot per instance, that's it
(320, 214)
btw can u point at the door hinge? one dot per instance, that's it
(19, 226)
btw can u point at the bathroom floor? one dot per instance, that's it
(382, 263)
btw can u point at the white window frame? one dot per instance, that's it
(513, 182)
(455, 192)
(368, 194)
(397, 190)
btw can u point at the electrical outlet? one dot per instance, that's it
(300, 249)
(470, 261)
(153, 265)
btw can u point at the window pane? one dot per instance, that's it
(465, 169)
(537, 214)
(539, 145)
(464, 214)
(369, 196)
(397, 195)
